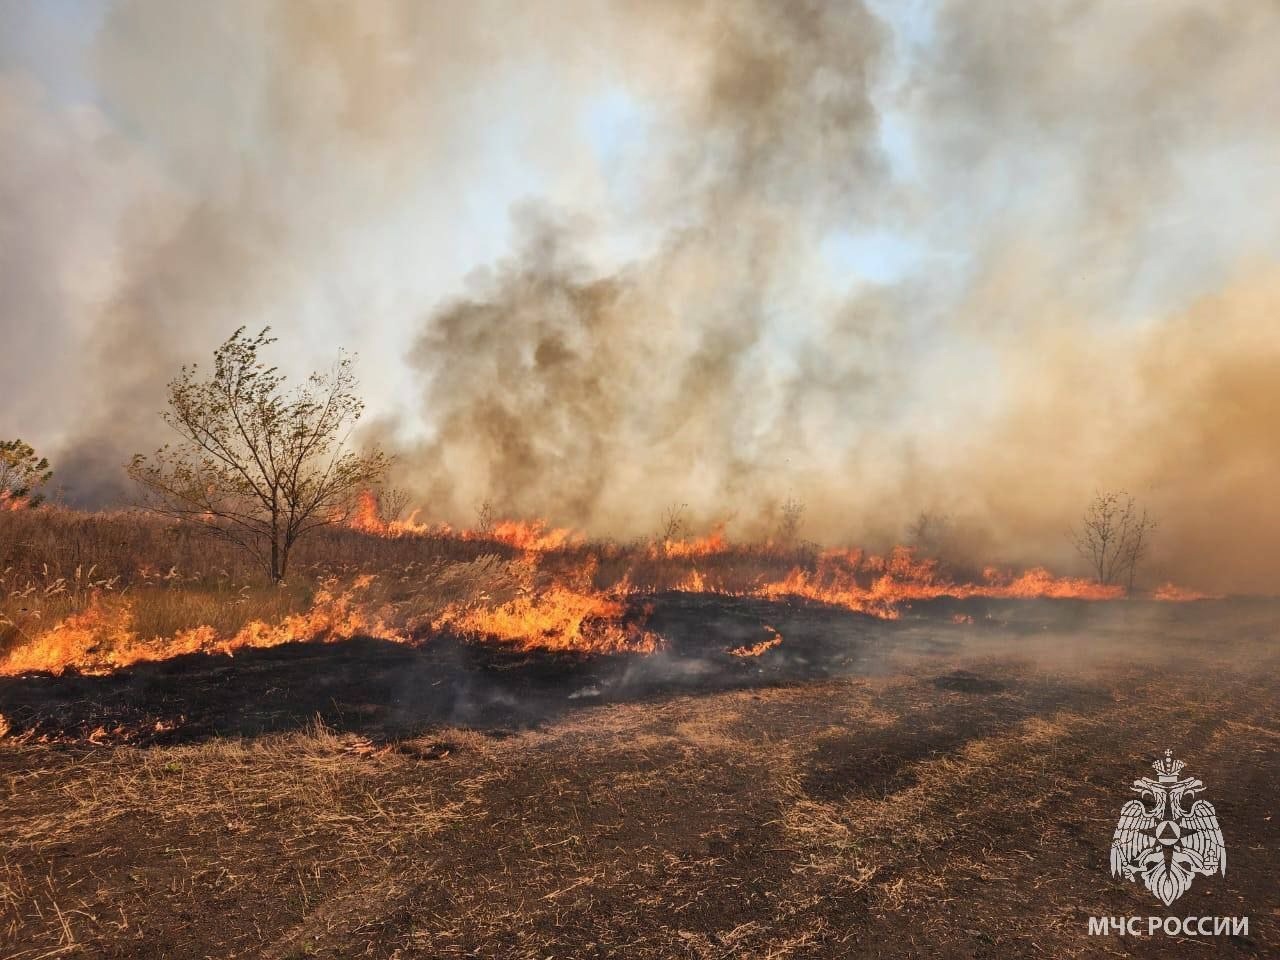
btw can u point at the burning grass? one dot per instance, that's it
(758, 649)
(105, 636)
(558, 618)
(1172, 593)
(96, 592)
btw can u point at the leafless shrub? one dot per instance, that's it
(790, 515)
(392, 502)
(929, 533)
(486, 516)
(673, 522)
(1114, 536)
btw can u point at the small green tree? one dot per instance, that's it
(256, 465)
(22, 473)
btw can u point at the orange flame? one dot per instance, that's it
(559, 618)
(900, 578)
(548, 600)
(530, 535)
(9, 502)
(567, 615)
(694, 582)
(102, 638)
(706, 546)
(367, 518)
(534, 536)
(1172, 593)
(757, 649)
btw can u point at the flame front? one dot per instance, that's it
(529, 535)
(567, 615)
(880, 586)
(102, 637)
(1172, 593)
(707, 546)
(367, 518)
(535, 536)
(552, 595)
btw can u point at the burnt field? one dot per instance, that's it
(583, 479)
(945, 783)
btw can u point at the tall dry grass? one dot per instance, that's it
(55, 561)
(164, 577)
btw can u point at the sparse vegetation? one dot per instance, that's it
(54, 562)
(156, 584)
(844, 815)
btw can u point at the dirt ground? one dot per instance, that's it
(930, 786)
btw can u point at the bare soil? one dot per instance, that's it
(865, 788)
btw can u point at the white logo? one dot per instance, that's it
(1160, 841)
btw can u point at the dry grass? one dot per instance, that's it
(56, 563)
(216, 820)
(707, 827)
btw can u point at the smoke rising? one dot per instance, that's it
(603, 258)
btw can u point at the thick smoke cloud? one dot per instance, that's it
(1076, 200)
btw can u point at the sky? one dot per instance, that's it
(597, 258)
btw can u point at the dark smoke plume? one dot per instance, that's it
(978, 260)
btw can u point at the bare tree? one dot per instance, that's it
(673, 524)
(392, 502)
(930, 532)
(486, 517)
(256, 465)
(790, 516)
(1134, 545)
(22, 473)
(1114, 536)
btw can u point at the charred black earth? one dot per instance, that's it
(386, 689)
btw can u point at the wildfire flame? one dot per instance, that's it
(367, 518)
(102, 637)
(546, 599)
(694, 582)
(530, 535)
(9, 502)
(879, 586)
(534, 536)
(757, 649)
(706, 546)
(567, 615)
(1172, 593)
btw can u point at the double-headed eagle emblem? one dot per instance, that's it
(1163, 841)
